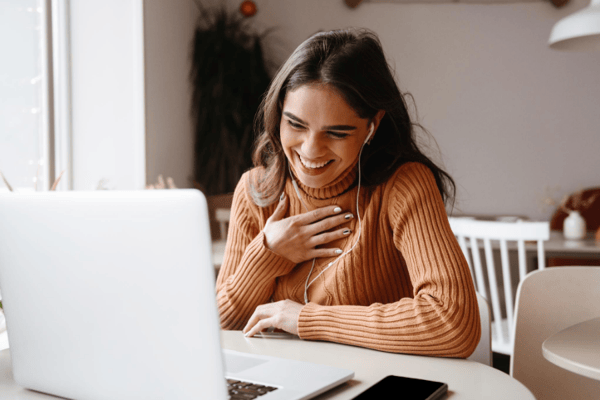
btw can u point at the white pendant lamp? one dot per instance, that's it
(579, 31)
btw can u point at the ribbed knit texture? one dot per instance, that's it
(405, 288)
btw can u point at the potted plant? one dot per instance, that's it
(229, 77)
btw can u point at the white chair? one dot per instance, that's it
(483, 352)
(547, 302)
(222, 216)
(219, 209)
(486, 282)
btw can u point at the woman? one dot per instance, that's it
(340, 232)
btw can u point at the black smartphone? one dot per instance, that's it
(399, 387)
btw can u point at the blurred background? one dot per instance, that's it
(106, 92)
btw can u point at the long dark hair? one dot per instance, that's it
(353, 62)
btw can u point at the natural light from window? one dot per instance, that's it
(23, 96)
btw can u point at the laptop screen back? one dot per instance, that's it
(110, 295)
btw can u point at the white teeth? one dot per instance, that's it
(312, 165)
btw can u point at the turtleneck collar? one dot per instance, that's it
(341, 184)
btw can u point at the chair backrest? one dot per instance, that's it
(547, 302)
(218, 213)
(222, 216)
(483, 352)
(474, 231)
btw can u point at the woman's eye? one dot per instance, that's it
(337, 135)
(333, 134)
(294, 125)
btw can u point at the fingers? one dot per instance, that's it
(259, 327)
(324, 253)
(329, 223)
(261, 313)
(254, 319)
(328, 237)
(319, 214)
(280, 210)
(282, 314)
(261, 319)
(297, 237)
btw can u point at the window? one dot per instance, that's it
(23, 98)
(30, 152)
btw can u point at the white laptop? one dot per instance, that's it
(110, 295)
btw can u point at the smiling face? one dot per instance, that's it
(321, 134)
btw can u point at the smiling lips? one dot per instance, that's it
(314, 168)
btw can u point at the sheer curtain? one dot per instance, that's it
(24, 94)
(26, 163)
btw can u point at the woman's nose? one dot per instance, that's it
(313, 146)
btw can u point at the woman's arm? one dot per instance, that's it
(249, 270)
(442, 318)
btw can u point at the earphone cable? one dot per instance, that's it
(307, 285)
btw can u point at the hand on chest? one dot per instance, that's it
(348, 227)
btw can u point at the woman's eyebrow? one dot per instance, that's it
(339, 128)
(330, 127)
(292, 116)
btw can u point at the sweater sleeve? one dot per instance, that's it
(247, 276)
(442, 317)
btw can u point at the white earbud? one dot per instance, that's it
(370, 133)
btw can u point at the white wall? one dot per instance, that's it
(107, 94)
(131, 93)
(511, 116)
(168, 34)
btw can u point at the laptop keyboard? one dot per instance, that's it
(239, 390)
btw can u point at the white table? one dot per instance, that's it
(558, 245)
(466, 379)
(576, 349)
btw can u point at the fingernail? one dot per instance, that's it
(338, 251)
(246, 334)
(337, 210)
(346, 231)
(349, 216)
(282, 196)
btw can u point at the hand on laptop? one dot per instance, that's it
(297, 237)
(281, 315)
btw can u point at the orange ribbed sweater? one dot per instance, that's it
(405, 288)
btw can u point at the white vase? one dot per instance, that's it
(574, 226)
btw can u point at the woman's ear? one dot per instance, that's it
(375, 121)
